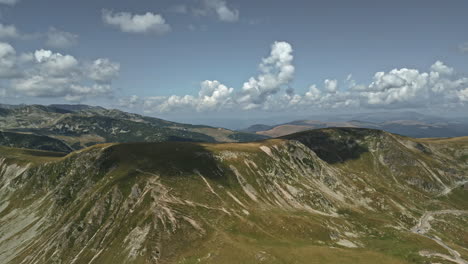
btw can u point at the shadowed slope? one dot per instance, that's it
(336, 145)
(79, 126)
(31, 141)
(274, 201)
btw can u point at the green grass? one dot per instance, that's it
(24, 156)
(94, 202)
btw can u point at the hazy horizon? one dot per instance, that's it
(243, 122)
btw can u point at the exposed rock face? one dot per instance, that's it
(338, 195)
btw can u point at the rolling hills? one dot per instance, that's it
(343, 195)
(419, 128)
(79, 126)
(31, 141)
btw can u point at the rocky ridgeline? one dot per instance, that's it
(352, 194)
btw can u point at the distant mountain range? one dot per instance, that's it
(72, 127)
(66, 128)
(410, 124)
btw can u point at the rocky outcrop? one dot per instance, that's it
(188, 202)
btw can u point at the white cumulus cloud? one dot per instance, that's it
(441, 68)
(218, 8)
(331, 86)
(41, 86)
(136, 23)
(221, 9)
(45, 73)
(276, 71)
(103, 70)
(271, 90)
(213, 95)
(55, 64)
(396, 86)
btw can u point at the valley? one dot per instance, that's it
(340, 195)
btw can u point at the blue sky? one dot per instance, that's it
(195, 58)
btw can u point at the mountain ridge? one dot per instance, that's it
(422, 127)
(276, 201)
(79, 126)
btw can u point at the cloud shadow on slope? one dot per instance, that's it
(335, 145)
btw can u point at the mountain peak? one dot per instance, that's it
(331, 192)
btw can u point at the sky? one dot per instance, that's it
(208, 60)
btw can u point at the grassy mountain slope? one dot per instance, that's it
(324, 196)
(31, 141)
(80, 126)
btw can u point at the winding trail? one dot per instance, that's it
(424, 226)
